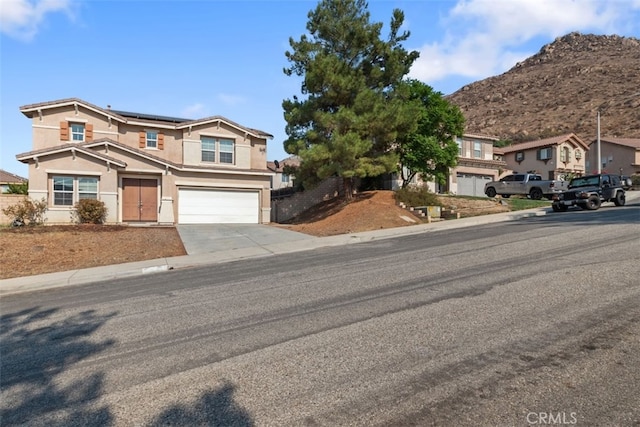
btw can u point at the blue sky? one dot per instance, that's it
(195, 59)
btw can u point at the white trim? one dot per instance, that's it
(130, 150)
(156, 126)
(207, 185)
(218, 135)
(76, 120)
(73, 172)
(108, 193)
(104, 132)
(46, 127)
(227, 171)
(145, 171)
(74, 103)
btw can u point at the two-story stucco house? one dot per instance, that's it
(618, 155)
(146, 168)
(553, 158)
(478, 163)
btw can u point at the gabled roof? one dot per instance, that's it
(10, 178)
(478, 136)
(547, 142)
(627, 142)
(219, 119)
(127, 116)
(89, 148)
(69, 148)
(32, 109)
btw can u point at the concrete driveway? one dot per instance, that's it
(208, 238)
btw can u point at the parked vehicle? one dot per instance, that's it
(526, 184)
(589, 192)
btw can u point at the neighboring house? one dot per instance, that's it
(280, 179)
(618, 155)
(7, 178)
(553, 158)
(146, 168)
(478, 162)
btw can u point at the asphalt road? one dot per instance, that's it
(533, 322)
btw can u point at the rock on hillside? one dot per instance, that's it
(559, 90)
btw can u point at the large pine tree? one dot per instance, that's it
(349, 116)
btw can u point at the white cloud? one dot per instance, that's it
(487, 37)
(231, 100)
(194, 111)
(21, 19)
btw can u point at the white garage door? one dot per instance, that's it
(198, 206)
(471, 185)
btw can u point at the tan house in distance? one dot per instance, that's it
(283, 180)
(553, 158)
(7, 178)
(146, 168)
(618, 156)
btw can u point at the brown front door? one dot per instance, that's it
(139, 200)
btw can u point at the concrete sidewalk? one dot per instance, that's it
(235, 245)
(230, 249)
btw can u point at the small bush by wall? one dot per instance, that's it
(7, 200)
(90, 211)
(26, 211)
(417, 196)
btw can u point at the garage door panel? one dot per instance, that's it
(472, 185)
(198, 206)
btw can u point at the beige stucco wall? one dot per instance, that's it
(250, 152)
(129, 134)
(468, 148)
(552, 168)
(46, 130)
(614, 157)
(41, 184)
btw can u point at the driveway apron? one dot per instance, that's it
(208, 238)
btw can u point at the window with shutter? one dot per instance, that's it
(152, 139)
(77, 132)
(160, 141)
(142, 139)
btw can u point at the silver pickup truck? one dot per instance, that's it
(525, 184)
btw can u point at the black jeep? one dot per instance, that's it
(588, 192)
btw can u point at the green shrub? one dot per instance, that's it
(635, 180)
(18, 188)
(90, 211)
(417, 196)
(27, 211)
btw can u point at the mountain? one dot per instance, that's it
(559, 90)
